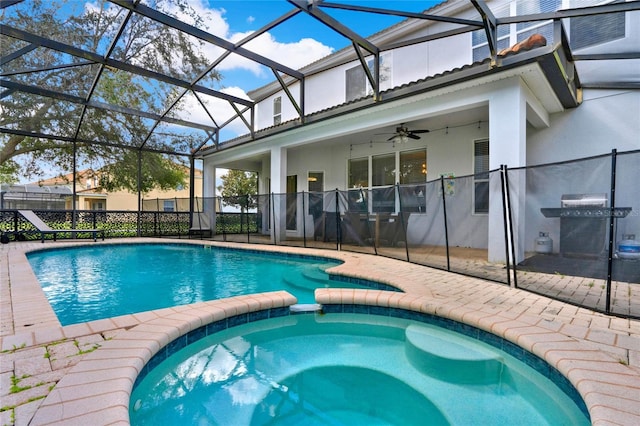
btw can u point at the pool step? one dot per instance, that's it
(309, 279)
(316, 274)
(446, 357)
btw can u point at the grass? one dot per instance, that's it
(15, 384)
(85, 351)
(15, 348)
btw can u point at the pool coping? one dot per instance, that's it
(97, 389)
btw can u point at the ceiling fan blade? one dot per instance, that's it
(412, 136)
(392, 138)
(420, 131)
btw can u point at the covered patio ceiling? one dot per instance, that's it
(77, 73)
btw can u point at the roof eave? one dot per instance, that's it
(558, 70)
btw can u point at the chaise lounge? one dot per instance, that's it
(45, 229)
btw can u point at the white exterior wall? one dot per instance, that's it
(450, 152)
(607, 119)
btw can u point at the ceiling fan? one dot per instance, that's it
(403, 133)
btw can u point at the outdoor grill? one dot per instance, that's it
(584, 222)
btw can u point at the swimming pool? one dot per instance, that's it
(346, 369)
(93, 282)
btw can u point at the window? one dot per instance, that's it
(511, 34)
(413, 167)
(383, 173)
(481, 176)
(168, 205)
(277, 111)
(359, 173)
(315, 181)
(358, 179)
(588, 31)
(357, 84)
(545, 28)
(409, 168)
(479, 43)
(383, 170)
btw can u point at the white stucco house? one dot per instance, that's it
(348, 127)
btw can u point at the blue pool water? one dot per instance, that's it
(101, 281)
(346, 369)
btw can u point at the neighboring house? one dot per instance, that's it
(33, 197)
(90, 196)
(531, 106)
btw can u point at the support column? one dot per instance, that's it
(209, 192)
(279, 188)
(507, 145)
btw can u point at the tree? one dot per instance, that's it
(143, 43)
(240, 188)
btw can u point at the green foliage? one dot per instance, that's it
(236, 223)
(8, 172)
(239, 188)
(145, 43)
(15, 384)
(157, 171)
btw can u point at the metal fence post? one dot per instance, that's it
(446, 230)
(224, 227)
(614, 154)
(273, 218)
(401, 217)
(511, 233)
(505, 207)
(338, 233)
(304, 222)
(175, 208)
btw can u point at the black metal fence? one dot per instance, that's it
(567, 230)
(115, 223)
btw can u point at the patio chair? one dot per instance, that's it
(45, 229)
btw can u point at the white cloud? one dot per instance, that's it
(221, 110)
(293, 54)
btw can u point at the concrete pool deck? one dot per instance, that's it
(83, 373)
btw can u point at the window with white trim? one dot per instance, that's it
(509, 35)
(479, 44)
(356, 83)
(168, 206)
(586, 31)
(404, 167)
(481, 176)
(277, 110)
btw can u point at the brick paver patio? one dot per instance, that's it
(83, 373)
